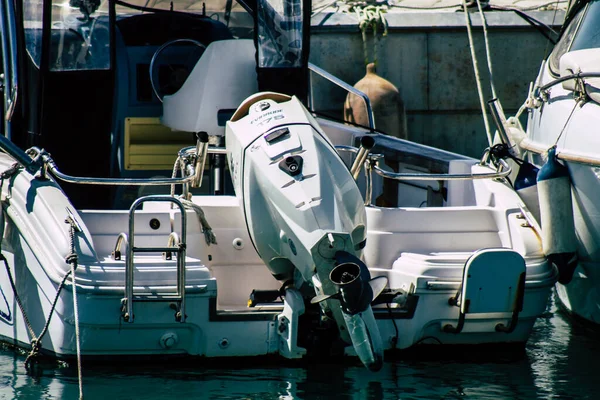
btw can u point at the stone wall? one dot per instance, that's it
(428, 57)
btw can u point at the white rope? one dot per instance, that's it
(553, 22)
(77, 334)
(487, 48)
(554, 3)
(174, 175)
(477, 77)
(209, 236)
(369, 16)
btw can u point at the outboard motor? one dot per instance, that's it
(304, 212)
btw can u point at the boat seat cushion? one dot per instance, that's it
(491, 281)
(446, 266)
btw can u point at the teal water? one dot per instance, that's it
(560, 362)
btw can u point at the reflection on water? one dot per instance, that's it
(559, 362)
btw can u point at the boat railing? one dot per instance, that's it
(31, 162)
(537, 97)
(348, 88)
(364, 159)
(371, 163)
(562, 154)
(121, 240)
(542, 91)
(190, 178)
(176, 244)
(502, 172)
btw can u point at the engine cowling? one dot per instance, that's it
(299, 200)
(303, 210)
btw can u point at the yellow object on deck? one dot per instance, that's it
(149, 145)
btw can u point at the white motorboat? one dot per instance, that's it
(177, 197)
(563, 106)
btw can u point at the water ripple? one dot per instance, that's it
(558, 363)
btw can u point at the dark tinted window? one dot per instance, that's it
(583, 32)
(565, 42)
(588, 34)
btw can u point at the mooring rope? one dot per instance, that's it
(368, 15)
(371, 16)
(72, 259)
(209, 236)
(477, 76)
(36, 340)
(487, 48)
(174, 175)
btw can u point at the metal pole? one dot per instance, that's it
(366, 144)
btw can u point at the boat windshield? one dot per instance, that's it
(81, 36)
(213, 8)
(583, 32)
(228, 11)
(588, 34)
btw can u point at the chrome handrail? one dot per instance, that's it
(173, 241)
(115, 181)
(562, 154)
(31, 164)
(348, 88)
(578, 75)
(122, 238)
(11, 28)
(372, 164)
(409, 176)
(366, 144)
(351, 149)
(201, 152)
(50, 165)
(180, 248)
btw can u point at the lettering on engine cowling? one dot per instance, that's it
(266, 117)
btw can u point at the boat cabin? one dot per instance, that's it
(88, 81)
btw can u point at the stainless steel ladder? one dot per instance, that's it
(175, 244)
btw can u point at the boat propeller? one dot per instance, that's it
(355, 291)
(355, 288)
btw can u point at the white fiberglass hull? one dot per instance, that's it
(581, 296)
(103, 334)
(408, 245)
(552, 124)
(430, 249)
(205, 333)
